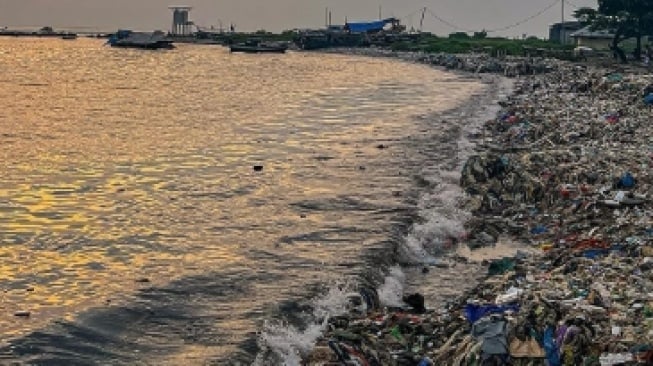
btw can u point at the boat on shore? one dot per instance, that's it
(255, 46)
(69, 36)
(150, 41)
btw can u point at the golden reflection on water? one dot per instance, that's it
(121, 164)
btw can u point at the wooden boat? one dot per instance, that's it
(258, 47)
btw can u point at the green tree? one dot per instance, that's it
(459, 35)
(480, 35)
(626, 18)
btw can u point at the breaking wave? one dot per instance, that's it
(439, 229)
(283, 343)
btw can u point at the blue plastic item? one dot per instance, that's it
(593, 253)
(648, 100)
(475, 312)
(550, 347)
(539, 229)
(627, 180)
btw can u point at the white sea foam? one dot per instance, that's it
(284, 344)
(442, 218)
(392, 289)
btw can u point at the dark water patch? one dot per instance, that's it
(50, 215)
(214, 195)
(95, 266)
(264, 255)
(67, 344)
(228, 228)
(243, 355)
(64, 192)
(339, 203)
(323, 158)
(220, 195)
(326, 235)
(34, 84)
(158, 322)
(10, 208)
(294, 312)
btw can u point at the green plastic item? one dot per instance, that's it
(501, 266)
(397, 334)
(648, 312)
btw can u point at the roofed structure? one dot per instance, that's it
(371, 27)
(595, 39)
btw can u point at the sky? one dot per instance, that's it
(278, 15)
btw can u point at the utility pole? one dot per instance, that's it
(562, 24)
(421, 21)
(380, 12)
(326, 17)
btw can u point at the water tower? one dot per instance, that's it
(181, 26)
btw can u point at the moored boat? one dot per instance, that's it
(253, 46)
(130, 39)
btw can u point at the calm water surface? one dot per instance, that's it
(132, 225)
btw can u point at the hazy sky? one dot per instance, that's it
(276, 15)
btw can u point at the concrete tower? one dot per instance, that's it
(181, 26)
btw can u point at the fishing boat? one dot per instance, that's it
(130, 39)
(69, 36)
(255, 46)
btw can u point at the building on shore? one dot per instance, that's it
(352, 34)
(561, 32)
(599, 40)
(181, 24)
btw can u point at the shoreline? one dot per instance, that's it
(443, 134)
(534, 179)
(463, 65)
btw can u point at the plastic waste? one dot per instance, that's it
(612, 359)
(551, 348)
(648, 100)
(475, 312)
(501, 266)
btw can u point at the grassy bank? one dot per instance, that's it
(426, 42)
(462, 43)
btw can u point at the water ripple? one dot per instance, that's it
(133, 226)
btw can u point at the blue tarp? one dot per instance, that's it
(376, 26)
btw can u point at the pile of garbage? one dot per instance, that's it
(564, 169)
(509, 66)
(587, 306)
